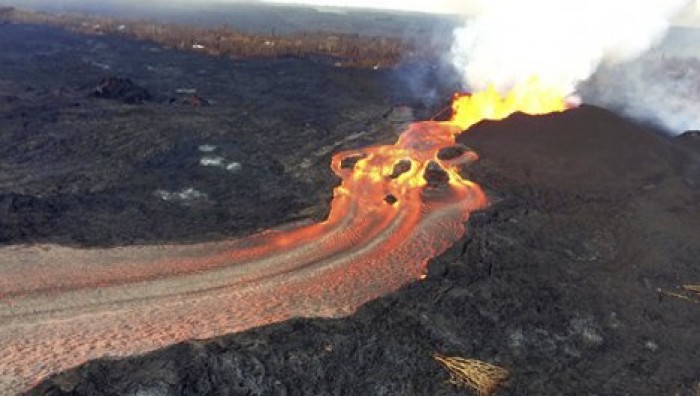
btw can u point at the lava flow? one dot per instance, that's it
(397, 207)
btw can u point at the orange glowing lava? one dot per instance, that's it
(396, 207)
(420, 144)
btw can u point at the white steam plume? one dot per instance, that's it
(560, 42)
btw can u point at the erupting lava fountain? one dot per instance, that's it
(397, 207)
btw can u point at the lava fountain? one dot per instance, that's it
(396, 207)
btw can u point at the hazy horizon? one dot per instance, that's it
(690, 18)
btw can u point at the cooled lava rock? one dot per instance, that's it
(349, 162)
(451, 152)
(400, 168)
(93, 172)
(121, 89)
(391, 199)
(435, 175)
(580, 149)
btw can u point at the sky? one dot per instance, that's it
(689, 18)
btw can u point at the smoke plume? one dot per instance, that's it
(661, 87)
(561, 43)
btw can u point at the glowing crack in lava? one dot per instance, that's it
(397, 207)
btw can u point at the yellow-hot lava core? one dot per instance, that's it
(530, 98)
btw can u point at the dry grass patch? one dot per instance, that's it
(480, 376)
(695, 289)
(690, 293)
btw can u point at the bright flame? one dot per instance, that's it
(530, 98)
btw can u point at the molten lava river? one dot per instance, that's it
(397, 207)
